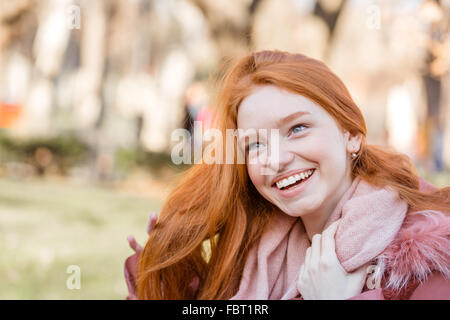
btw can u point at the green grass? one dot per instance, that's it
(47, 226)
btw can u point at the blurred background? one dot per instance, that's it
(90, 92)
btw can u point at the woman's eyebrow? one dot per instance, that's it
(291, 117)
(279, 123)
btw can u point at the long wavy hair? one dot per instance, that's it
(218, 202)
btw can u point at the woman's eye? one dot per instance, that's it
(255, 145)
(297, 128)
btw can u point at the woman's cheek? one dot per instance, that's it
(255, 176)
(311, 150)
(331, 163)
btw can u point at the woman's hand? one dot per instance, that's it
(322, 277)
(150, 226)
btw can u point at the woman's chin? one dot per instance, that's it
(299, 208)
(292, 207)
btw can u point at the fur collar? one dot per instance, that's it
(421, 247)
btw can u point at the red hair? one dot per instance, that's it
(219, 203)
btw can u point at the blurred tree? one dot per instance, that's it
(329, 12)
(230, 23)
(436, 16)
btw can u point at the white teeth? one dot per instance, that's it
(293, 179)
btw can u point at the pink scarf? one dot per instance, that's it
(371, 217)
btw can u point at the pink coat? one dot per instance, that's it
(415, 265)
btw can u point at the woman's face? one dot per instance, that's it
(310, 141)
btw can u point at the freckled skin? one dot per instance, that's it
(321, 145)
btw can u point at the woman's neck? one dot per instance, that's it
(314, 222)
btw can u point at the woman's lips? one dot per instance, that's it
(289, 174)
(296, 189)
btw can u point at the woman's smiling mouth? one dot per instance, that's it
(293, 183)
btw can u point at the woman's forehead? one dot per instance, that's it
(269, 106)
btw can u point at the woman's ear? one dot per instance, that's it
(353, 142)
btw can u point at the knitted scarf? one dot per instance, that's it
(370, 219)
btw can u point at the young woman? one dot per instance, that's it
(327, 216)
